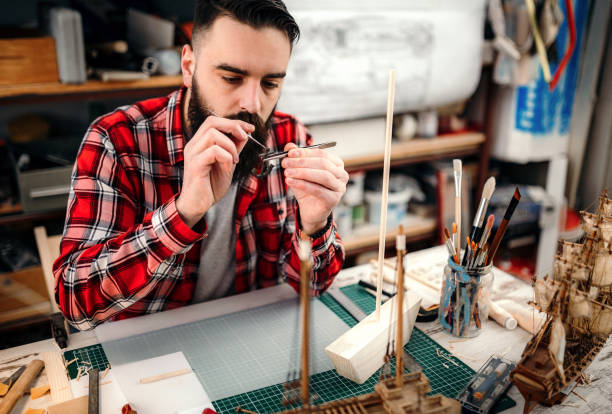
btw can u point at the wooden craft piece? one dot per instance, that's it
(38, 392)
(164, 376)
(58, 379)
(35, 411)
(74, 406)
(358, 353)
(21, 385)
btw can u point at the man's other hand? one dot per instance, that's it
(318, 180)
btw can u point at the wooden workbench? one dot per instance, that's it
(474, 352)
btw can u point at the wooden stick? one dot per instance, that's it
(164, 376)
(399, 353)
(305, 269)
(385, 190)
(21, 386)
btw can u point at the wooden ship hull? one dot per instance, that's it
(388, 398)
(537, 378)
(578, 301)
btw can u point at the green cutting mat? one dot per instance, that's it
(445, 378)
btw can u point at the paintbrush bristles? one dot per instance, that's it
(489, 187)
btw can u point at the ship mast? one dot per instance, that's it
(399, 343)
(305, 255)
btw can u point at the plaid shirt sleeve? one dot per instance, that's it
(112, 253)
(327, 248)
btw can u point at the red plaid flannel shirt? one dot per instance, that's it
(125, 249)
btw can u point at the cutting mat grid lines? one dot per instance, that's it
(328, 385)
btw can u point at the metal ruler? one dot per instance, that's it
(347, 304)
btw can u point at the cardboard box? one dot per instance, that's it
(28, 60)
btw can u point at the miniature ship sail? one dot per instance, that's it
(556, 345)
(602, 321)
(579, 305)
(564, 269)
(606, 230)
(545, 291)
(590, 223)
(602, 269)
(606, 206)
(570, 250)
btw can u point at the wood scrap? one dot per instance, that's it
(21, 386)
(35, 411)
(74, 406)
(38, 392)
(164, 376)
(58, 379)
(105, 371)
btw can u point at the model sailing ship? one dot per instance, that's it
(401, 393)
(578, 302)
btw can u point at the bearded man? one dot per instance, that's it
(165, 209)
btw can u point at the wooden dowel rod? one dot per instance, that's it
(385, 190)
(21, 386)
(164, 376)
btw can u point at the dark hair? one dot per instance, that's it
(255, 13)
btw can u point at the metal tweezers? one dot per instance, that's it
(270, 155)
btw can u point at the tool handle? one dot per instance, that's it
(21, 386)
(93, 401)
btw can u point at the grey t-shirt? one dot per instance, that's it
(217, 271)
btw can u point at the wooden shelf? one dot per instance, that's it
(421, 150)
(92, 88)
(366, 238)
(20, 217)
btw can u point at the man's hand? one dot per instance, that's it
(318, 180)
(210, 158)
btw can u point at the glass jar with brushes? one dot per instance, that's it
(462, 310)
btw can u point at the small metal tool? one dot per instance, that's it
(282, 154)
(347, 304)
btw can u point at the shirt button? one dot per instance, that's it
(281, 211)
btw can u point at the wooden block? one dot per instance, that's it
(39, 391)
(35, 411)
(358, 353)
(58, 378)
(74, 406)
(28, 60)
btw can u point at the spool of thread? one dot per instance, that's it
(500, 316)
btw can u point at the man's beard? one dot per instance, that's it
(198, 111)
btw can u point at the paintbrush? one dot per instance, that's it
(456, 239)
(487, 192)
(449, 246)
(457, 171)
(503, 225)
(483, 240)
(487, 230)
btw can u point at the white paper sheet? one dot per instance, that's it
(170, 395)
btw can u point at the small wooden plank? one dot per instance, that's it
(58, 379)
(74, 406)
(91, 86)
(420, 147)
(35, 411)
(38, 392)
